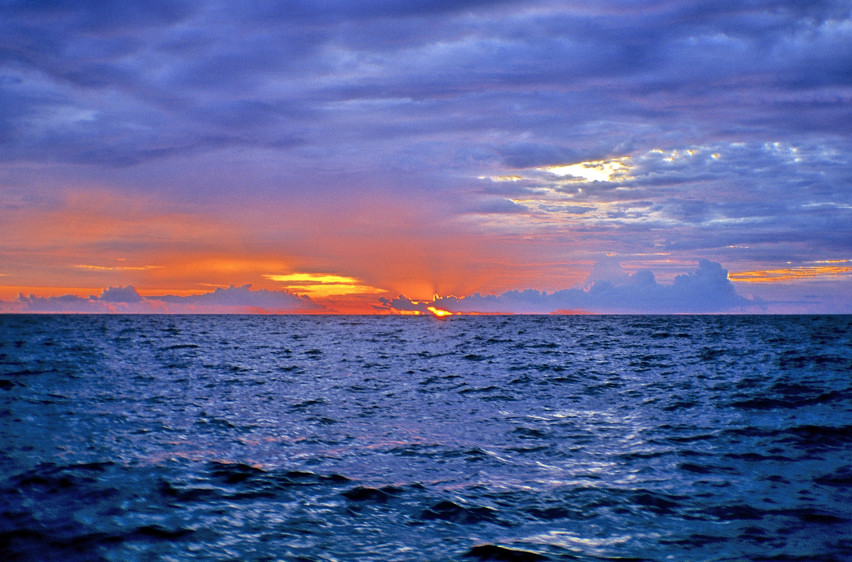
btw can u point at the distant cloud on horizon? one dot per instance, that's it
(126, 300)
(608, 290)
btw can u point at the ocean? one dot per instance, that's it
(416, 438)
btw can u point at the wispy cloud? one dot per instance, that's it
(118, 267)
(801, 273)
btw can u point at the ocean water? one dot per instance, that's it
(413, 438)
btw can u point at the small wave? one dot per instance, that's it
(554, 512)
(52, 478)
(793, 360)
(696, 540)
(160, 532)
(790, 397)
(249, 481)
(447, 510)
(233, 473)
(840, 478)
(710, 354)
(31, 372)
(655, 501)
(812, 515)
(502, 553)
(36, 544)
(757, 457)
(818, 437)
(680, 405)
(188, 494)
(366, 493)
(530, 432)
(733, 512)
(305, 404)
(706, 468)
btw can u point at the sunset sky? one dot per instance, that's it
(366, 156)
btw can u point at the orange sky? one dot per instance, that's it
(379, 245)
(91, 238)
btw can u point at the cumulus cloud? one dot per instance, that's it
(607, 270)
(120, 294)
(126, 300)
(704, 290)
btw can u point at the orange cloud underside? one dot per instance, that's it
(802, 273)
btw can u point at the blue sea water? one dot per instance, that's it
(413, 438)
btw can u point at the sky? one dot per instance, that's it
(375, 156)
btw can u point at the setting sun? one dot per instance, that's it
(438, 312)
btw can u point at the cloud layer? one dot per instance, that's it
(92, 83)
(420, 146)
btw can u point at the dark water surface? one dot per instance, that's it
(399, 438)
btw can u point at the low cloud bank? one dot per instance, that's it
(608, 290)
(242, 298)
(126, 300)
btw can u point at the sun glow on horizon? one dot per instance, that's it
(323, 284)
(438, 313)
